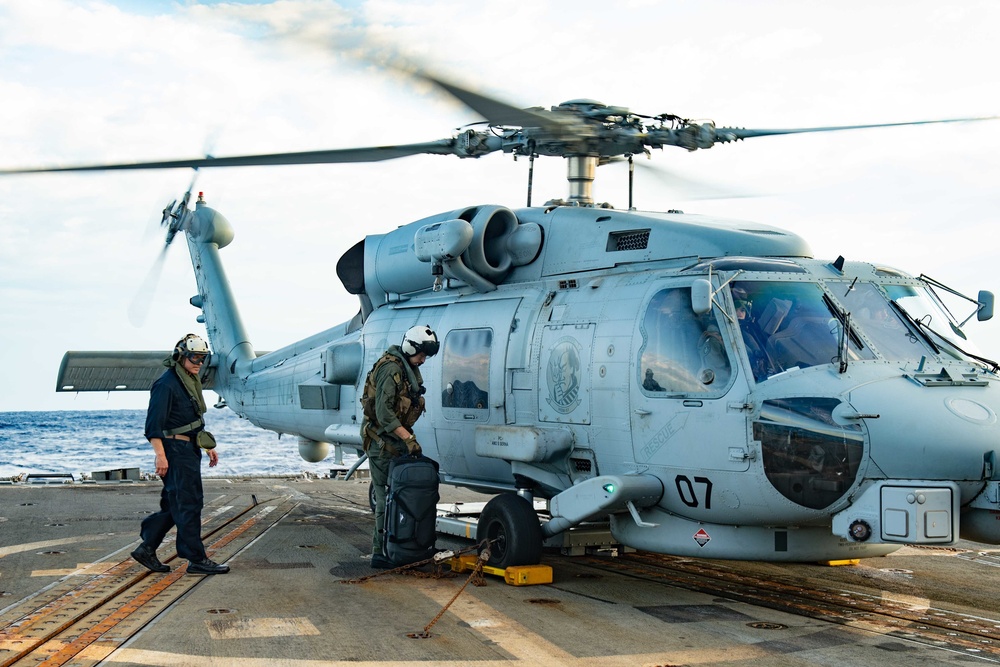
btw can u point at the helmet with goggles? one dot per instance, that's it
(192, 347)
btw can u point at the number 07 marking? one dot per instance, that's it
(689, 494)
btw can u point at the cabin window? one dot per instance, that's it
(682, 352)
(319, 396)
(466, 372)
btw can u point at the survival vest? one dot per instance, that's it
(409, 400)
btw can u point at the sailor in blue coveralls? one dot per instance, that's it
(174, 427)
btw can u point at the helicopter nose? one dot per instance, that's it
(932, 474)
(929, 432)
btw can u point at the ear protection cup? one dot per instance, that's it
(179, 348)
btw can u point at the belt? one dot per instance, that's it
(185, 438)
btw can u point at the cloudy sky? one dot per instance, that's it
(95, 81)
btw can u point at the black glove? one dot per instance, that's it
(412, 446)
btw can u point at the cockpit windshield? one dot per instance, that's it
(882, 323)
(788, 325)
(924, 310)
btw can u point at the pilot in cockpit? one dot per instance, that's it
(751, 332)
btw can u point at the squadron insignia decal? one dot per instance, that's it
(563, 376)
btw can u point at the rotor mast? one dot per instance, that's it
(581, 170)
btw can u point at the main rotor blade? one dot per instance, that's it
(496, 111)
(726, 134)
(691, 189)
(370, 154)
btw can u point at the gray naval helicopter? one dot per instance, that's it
(706, 385)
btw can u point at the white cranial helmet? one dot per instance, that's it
(419, 339)
(191, 345)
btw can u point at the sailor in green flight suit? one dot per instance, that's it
(176, 431)
(393, 401)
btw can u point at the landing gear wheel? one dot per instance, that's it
(510, 523)
(371, 496)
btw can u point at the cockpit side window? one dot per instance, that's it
(681, 353)
(465, 369)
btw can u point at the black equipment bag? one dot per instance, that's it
(411, 509)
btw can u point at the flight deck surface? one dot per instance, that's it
(301, 594)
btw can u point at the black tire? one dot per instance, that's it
(371, 496)
(510, 523)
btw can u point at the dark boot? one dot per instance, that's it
(380, 562)
(206, 566)
(146, 556)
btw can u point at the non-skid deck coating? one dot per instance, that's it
(292, 543)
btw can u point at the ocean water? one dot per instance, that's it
(83, 442)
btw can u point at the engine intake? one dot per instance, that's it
(477, 246)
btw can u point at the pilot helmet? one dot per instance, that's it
(741, 299)
(420, 339)
(191, 347)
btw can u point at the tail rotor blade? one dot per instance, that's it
(174, 218)
(138, 309)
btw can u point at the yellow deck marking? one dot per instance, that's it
(142, 658)
(89, 569)
(247, 628)
(913, 602)
(31, 546)
(63, 572)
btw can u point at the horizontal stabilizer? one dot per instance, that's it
(115, 371)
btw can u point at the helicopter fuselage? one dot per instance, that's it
(743, 399)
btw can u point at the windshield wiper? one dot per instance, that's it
(917, 325)
(993, 366)
(845, 321)
(924, 330)
(846, 332)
